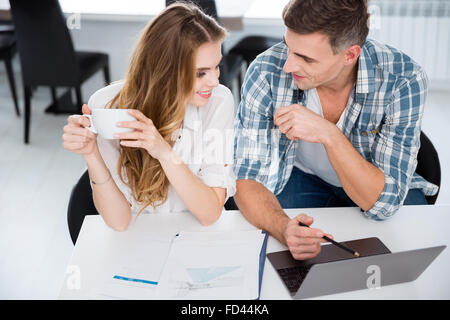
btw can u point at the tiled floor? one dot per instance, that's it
(37, 179)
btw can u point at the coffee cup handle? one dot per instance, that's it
(91, 128)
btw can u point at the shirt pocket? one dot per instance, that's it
(363, 138)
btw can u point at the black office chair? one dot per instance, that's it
(428, 165)
(47, 54)
(249, 47)
(230, 68)
(7, 51)
(81, 204)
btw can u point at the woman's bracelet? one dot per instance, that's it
(100, 183)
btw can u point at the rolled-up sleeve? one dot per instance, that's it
(253, 124)
(219, 176)
(396, 146)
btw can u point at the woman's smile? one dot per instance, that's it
(205, 94)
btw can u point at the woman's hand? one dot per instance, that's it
(145, 135)
(77, 138)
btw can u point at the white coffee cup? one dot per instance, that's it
(104, 122)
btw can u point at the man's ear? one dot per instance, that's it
(352, 54)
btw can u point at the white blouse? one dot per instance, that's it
(205, 145)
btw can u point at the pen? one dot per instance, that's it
(355, 253)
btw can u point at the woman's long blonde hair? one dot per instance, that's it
(159, 82)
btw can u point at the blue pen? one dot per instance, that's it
(135, 280)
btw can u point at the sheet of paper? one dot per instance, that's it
(212, 265)
(136, 272)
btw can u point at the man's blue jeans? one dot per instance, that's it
(305, 190)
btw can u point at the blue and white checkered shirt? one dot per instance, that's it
(383, 122)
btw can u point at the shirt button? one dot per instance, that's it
(225, 165)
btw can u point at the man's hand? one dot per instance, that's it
(303, 242)
(299, 123)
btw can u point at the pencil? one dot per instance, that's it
(355, 253)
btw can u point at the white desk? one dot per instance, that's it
(413, 227)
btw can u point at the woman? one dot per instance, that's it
(171, 84)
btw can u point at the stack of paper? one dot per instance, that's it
(193, 265)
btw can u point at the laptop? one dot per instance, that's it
(335, 270)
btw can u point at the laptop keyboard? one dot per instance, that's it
(293, 277)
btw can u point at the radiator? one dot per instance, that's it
(419, 28)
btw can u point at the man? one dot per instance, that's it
(328, 119)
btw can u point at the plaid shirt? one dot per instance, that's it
(383, 122)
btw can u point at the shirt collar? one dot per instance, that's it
(297, 93)
(365, 80)
(191, 117)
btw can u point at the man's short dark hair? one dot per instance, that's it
(345, 22)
